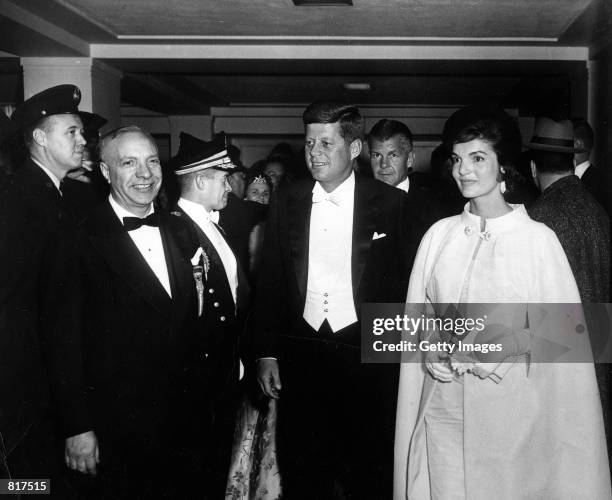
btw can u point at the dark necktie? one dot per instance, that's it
(132, 223)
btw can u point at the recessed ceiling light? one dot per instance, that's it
(357, 86)
(322, 3)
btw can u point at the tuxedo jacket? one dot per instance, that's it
(380, 268)
(33, 217)
(222, 319)
(125, 359)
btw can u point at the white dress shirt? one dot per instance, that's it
(205, 221)
(404, 185)
(581, 169)
(329, 292)
(149, 243)
(54, 180)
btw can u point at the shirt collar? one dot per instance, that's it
(342, 194)
(404, 185)
(198, 212)
(54, 179)
(580, 169)
(122, 212)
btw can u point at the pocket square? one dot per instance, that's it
(377, 236)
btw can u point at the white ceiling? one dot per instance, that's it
(335, 45)
(467, 19)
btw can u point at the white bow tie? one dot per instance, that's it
(213, 216)
(318, 197)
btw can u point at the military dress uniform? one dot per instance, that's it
(223, 297)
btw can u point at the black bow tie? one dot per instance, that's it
(132, 223)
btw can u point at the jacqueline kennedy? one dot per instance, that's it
(515, 430)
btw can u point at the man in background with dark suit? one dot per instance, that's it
(33, 218)
(127, 358)
(565, 205)
(332, 243)
(391, 159)
(580, 223)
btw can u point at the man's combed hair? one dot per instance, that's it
(109, 137)
(384, 129)
(348, 116)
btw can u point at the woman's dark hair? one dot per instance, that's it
(490, 123)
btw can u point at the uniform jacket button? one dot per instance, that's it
(216, 304)
(222, 318)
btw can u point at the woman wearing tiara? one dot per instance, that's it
(258, 189)
(514, 426)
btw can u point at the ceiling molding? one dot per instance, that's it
(332, 39)
(352, 51)
(45, 28)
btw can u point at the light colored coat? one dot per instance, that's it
(538, 433)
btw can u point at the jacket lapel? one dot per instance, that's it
(364, 212)
(299, 207)
(117, 248)
(178, 264)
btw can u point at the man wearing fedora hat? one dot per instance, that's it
(33, 216)
(202, 169)
(581, 224)
(578, 220)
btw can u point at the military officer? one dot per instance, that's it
(202, 169)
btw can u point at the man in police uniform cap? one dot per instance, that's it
(32, 215)
(53, 134)
(202, 169)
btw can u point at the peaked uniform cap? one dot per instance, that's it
(58, 100)
(195, 154)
